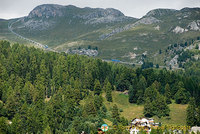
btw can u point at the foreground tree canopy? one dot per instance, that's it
(40, 92)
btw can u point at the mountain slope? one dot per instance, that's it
(156, 30)
(55, 24)
(115, 35)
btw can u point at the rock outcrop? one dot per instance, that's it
(179, 29)
(194, 25)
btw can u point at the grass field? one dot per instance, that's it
(131, 111)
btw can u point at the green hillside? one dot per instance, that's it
(50, 92)
(131, 111)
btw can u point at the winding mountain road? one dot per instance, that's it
(37, 44)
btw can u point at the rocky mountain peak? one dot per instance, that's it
(46, 16)
(46, 11)
(53, 10)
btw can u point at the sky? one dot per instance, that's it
(135, 8)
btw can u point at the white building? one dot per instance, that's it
(195, 129)
(142, 123)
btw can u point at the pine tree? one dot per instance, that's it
(141, 86)
(88, 81)
(157, 85)
(98, 101)
(156, 106)
(181, 97)
(115, 113)
(3, 73)
(148, 108)
(131, 94)
(168, 94)
(161, 107)
(191, 113)
(97, 87)
(13, 103)
(109, 92)
(151, 93)
(89, 107)
(105, 84)
(103, 111)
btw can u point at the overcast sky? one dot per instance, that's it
(134, 8)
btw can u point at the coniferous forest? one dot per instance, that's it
(49, 92)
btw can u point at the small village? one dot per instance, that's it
(142, 123)
(147, 124)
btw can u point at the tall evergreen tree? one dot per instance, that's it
(97, 88)
(148, 108)
(115, 113)
(161, 107)
(141, 86)
(88, 79)
(167, 94)
(156, 105)
(89, 107)
(191, 113)
(131, 94)
(157, 86)
(109, 92)
(181, 97)
(98, 101)
(151, 93)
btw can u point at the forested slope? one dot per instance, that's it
(41, 91)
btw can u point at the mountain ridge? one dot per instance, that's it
(53, 10)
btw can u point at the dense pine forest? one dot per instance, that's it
(48, 92)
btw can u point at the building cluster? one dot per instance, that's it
(88, 52)
(139, 124)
